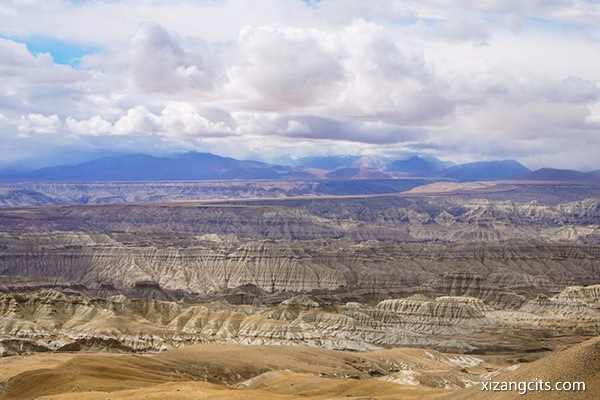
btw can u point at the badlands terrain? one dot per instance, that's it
(361, 293)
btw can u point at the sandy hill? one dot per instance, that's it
(580, 363)
(235, 372)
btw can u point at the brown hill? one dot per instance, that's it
(580, 363)
(232, 372)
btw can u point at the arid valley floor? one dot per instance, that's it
(298, 294)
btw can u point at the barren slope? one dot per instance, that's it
(247, 372)
(236, 372)
(52, 321)
(580, 363)
(356, 249)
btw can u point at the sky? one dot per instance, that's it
(461, 80)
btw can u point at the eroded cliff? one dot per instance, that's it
(51, 320)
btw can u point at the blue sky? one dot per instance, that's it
(62, 51)
(459, 80)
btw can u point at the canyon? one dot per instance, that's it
(492, 275)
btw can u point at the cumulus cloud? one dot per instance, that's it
(93, 126)
(387, 82)
(38, 123)
(182, 119)
(272, 68)
(176, 119)
(357, 72)
(17, 62)
(471, 79)
(593, 116)
(34, 84)
(159, 62)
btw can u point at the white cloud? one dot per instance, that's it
(161, 62)
(177, 119)
(382, 75)
(386, 81)
(295, 127)
(576, 90)
(138, 120)
(93, 126)
(181, 119)
(38, 123)
(460, 28)
(274, 68)
(593, 117)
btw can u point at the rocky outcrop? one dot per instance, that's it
(502, 251)
(578, 294)
(24, 194)
(573, 310)
(173, 268)
(53, 321)
(385, 218)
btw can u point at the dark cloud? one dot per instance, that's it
(362, 132)
(576, 90)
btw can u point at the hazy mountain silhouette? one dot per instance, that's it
(141, 167)
(417, 165)
(485, 170)
(552, 174)
(326, 162)
(357, 173)
(207, 166)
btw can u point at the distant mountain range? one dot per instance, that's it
(419, 166)
(484, 170)
(141, 167)
(551, 174)
(207, 166)
(329, 163)
(357, 173)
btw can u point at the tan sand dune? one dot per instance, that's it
(580, 363)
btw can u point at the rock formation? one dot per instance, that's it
(51, 320)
